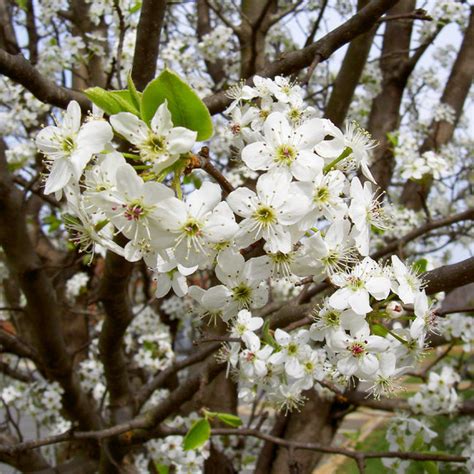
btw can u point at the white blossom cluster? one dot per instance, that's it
(458, 326)
(76, 285)
(40, 400)
(169, 451)
(309, 213)
(148, 341)
(406, 433)
(438, 396)
(459, 436)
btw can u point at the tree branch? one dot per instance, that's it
(147, 44)
(20, 70)
(42, 308)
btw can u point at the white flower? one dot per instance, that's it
(269, 211)
(365, 279)
(324, 192)
(425, 316)
(161, 143)
(133, 207)
(409, 283)
(365, 211)
(245, 326)
(287, 148)
(69, 147)
(201, 220)
(356, 354)
(244, 283)
(170, 274)
(253, 361)
(291, 349)
(333, 252)
(357, 139)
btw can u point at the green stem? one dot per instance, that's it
(333, 163)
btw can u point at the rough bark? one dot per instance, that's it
(455, 93)
(147, 46)
(349, 74)
(385, 112)
(41, 308)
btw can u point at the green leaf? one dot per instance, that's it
(229, 419)
(186, 108)
(135, 8)
(162, 468)
(112, 102)
(198, 434)
(421, 265)
(379, 330)
(134, 94)
(125, 101)
(267, 337)
(431, 467)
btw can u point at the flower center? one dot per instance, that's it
(322, 194)
(357, 349)
(292, 349)
(331, 318)
(285, 154)
(355, 283)
(68, 145)
(242, 294)
(235, 128)
(134, 211)
(265, 215)
(192, 228)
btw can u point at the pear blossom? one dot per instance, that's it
(170, 274)
(356, 354)
(201, 220)
(253, 360)
(245, 326)
(408, 282)
(243, 281)
(133, 207)
(425, 316)
(287, 148)
(358, 140)
(365, 211)
(324, 192)
(69, 146)
(366, 279)
(161, 143)
(268, 212)
(291, 347)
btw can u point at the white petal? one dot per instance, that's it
(59, 176)
(130, 127)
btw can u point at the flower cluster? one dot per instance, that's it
(406, 433)
(438, 396)
(309, 215)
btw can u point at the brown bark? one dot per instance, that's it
(216, 68)
(42, 309)
(455, 93)
(314, 423)
(385, 112)
(349, 74)
(147, 44)
(252, 33)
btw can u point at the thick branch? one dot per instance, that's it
(118, 315)
(349, 74)
(297, 60)
(17, 68)
(448, 277)
(147, 45)
(455, 94)
(42, 308)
